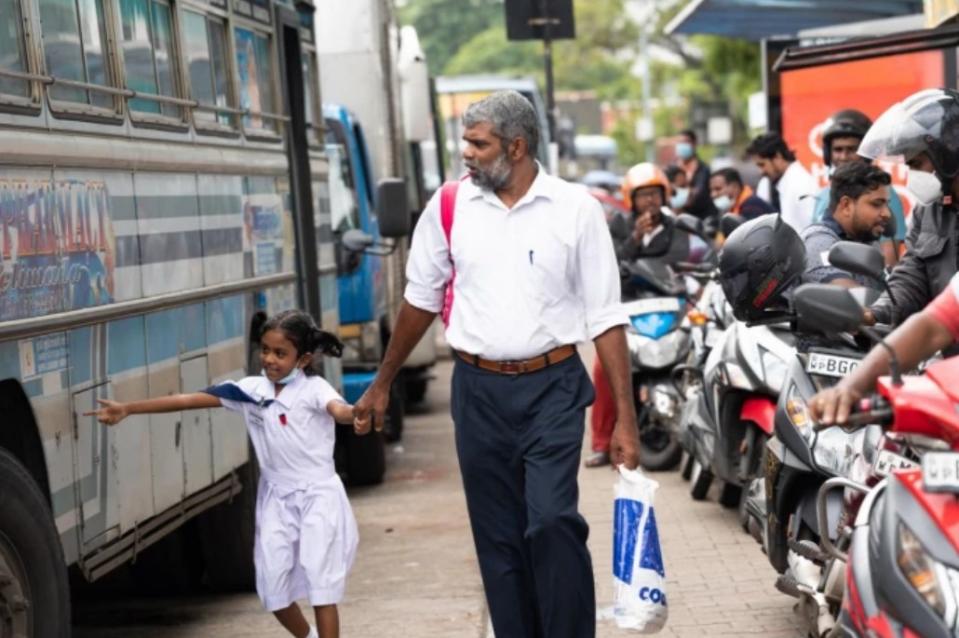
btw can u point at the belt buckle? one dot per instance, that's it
(512, 368)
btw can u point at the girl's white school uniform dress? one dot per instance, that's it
(306, 535)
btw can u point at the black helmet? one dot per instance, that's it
(760, 261)
(925, 122)
(845, 123)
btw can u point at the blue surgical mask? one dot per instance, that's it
(679, 198)
(684, 150)
(290, 378)
(723, 203)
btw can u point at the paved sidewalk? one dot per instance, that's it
(416, 575)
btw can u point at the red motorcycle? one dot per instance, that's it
(902, 565)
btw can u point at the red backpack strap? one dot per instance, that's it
(448, 207)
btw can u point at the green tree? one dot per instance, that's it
(444, 25)
(593, 61)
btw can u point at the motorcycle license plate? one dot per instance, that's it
(647, 306)
(713, 337)
(940, 472)
(830, 365)
(887, 462)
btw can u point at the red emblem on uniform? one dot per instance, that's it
(282, 419)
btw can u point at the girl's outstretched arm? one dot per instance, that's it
(340, 411)
(112, 412)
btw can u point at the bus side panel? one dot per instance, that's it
(109, 462)
(171, 259)
(226, 324)
(224, 246)
(266, 210)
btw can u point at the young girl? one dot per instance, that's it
(306, 535)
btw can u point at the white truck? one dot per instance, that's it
(376, 72)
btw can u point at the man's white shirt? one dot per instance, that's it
(528, 279)
(794, 187)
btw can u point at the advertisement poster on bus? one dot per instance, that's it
(811, 95)
(57, 248)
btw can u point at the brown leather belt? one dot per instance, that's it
(519, 367)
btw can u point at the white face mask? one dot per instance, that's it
(926, 187)
(723, 203)
(290, 378)
(678, 200)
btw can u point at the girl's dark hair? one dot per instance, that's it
(306, 337)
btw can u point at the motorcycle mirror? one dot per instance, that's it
(729, 222)
(858, 258)
(827, 309)
(689, 223)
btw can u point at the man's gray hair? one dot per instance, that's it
(511, 116)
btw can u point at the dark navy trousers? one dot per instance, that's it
(519, 440)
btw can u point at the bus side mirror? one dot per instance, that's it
(392, 208)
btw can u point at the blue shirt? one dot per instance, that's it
(895, 206)
(819, 238)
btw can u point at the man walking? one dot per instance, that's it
(535, 274)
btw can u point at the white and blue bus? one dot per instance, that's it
(163, 187)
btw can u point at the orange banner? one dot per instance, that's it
(810, 96)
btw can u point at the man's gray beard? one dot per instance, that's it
(494, 178)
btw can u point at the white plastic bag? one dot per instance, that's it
(638, 575)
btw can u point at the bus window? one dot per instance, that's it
(253, 65)
(73, 37)
(12, 57)
(204, 41)
(310, 92)
(146, 40)
(343, 208)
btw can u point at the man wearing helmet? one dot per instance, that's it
(652, 233)
(840, 141)
(923, 132)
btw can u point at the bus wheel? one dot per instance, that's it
(226, 535)
(365, 458)
(34, 602)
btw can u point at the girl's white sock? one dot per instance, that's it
(313, 633)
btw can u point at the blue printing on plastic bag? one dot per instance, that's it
(626, 517)
(652, 556)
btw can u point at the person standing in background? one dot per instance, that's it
(791, 184)
(699, 202)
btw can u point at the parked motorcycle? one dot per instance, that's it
(895, 566)
(732, 417)
(707, 322)
(656, 344)
(781, 505)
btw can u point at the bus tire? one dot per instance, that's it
(365, 458)
(226, 536)
(38, 599)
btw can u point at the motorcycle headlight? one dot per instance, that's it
(658, 353)
(932, 580)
